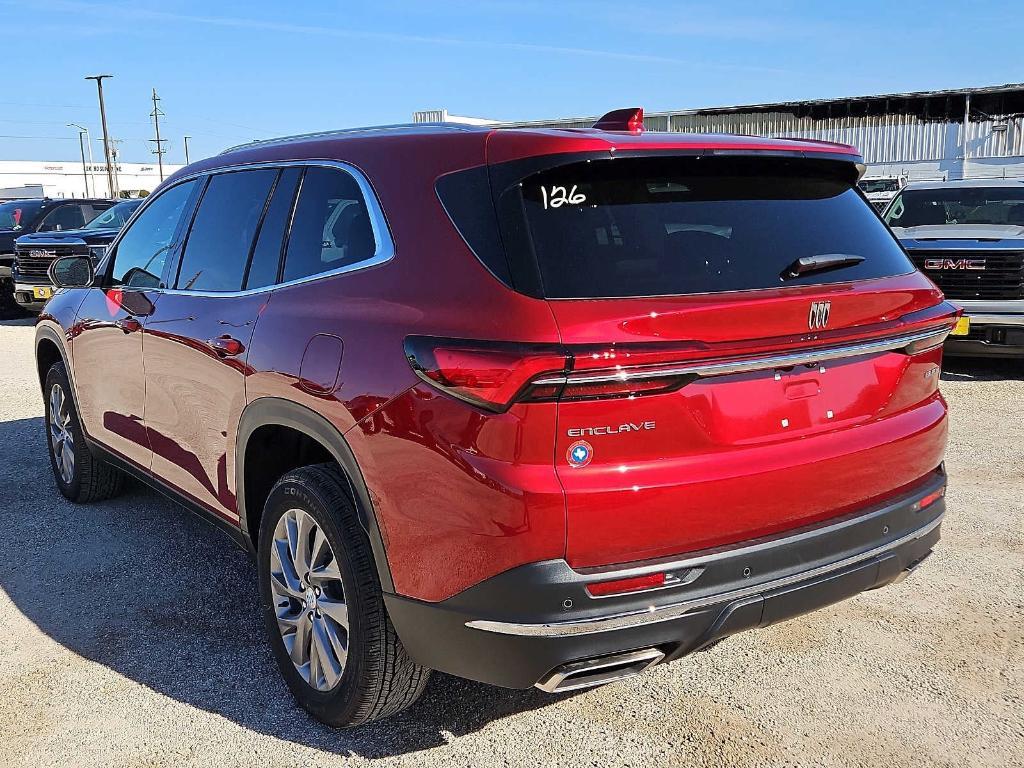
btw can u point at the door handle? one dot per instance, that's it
(226, 346)
(128, 324)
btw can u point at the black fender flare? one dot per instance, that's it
(274, 411)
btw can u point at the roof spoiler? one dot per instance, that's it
(630, 119)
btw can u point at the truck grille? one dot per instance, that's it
(1002, 278)
(31, 265)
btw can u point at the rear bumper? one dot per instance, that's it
(997, 330)
(527, 626)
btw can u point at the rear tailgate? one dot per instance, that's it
(733, 456)
(731, 324)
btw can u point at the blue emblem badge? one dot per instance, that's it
(579, 454)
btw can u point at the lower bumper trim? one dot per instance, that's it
(657, 614)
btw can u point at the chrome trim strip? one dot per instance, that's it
(757, 364)
(378, 223)
(994, 319)
(657, 614)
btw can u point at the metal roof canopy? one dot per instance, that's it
(947, 104)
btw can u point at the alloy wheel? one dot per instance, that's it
(309, 599)
(62, 443)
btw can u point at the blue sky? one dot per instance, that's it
(232, 71)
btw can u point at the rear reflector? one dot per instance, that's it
(625, 586)
(931, 498)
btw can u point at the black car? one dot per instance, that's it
(34, 252)
(19, 217)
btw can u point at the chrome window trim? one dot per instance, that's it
(657, 614)
(378, 223)
(723, 368)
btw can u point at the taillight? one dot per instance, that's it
(493, 375)
(929, 342)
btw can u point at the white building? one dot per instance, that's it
(31, 178)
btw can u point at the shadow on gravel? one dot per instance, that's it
(158, 595)
(982, 369)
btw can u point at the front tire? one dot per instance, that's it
(81, 476)
(323, 606)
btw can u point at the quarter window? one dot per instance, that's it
(331, 228)
(142, 252)
(222, 233)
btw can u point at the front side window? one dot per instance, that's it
(142, 252)
(957, 205)
(222, 233)
(331, 227)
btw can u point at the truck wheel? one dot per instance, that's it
(323, 606)
(81, 476)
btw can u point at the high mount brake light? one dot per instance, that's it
(493, 375)
(630, 119)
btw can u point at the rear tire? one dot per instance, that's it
(81, 476)
(328, 627)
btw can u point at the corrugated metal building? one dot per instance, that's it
(955, 134)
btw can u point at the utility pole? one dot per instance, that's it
(114, 155)
(186, 149)
(106, 137)
(81, 148)
(159, 151)
(88, 143)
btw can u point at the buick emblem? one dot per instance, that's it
(817, 318)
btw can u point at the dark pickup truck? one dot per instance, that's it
(968, 237)
(20, 217)
(33, 253)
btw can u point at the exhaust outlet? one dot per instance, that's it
(600, 670)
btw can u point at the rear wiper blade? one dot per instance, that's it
(807, 264)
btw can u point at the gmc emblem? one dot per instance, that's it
(976, 264)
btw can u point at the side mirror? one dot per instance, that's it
(72, 272)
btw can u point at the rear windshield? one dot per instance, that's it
(871, 186)
(957, 205)
(685, 225)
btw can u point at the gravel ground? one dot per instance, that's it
(129, 635)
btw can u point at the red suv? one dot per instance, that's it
(532, 407)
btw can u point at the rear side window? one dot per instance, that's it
(218, 245)
(266, 257)
(331, 227)
(142, 251)
(687, 225)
